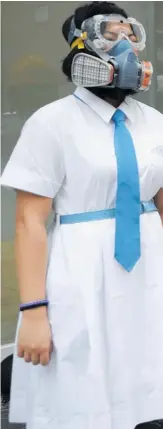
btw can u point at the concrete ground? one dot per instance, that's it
(4, 419)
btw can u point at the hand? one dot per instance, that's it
(35, 338)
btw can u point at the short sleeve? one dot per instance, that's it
(158, 153)
(36, 164)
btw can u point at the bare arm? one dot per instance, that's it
(31, 245)
(159, 203)
(34, 339)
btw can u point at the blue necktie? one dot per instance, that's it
(127, 236)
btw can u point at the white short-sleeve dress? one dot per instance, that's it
(106, 370)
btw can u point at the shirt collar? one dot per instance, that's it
(104, 109)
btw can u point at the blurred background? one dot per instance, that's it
(32, 52)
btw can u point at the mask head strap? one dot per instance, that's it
(74, 32)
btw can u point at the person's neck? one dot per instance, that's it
(114, 103)
(114, 97)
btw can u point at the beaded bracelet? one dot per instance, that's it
(34, 304)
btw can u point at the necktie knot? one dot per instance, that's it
(118, 116)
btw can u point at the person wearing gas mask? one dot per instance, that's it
(91, 290)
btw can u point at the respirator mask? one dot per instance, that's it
(115, 41)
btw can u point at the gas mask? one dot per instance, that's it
(115, 41)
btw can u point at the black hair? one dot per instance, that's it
(80, 14)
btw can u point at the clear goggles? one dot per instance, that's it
(105, 31)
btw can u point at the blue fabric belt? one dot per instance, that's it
(145, 207)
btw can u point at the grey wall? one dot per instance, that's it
(33, 29)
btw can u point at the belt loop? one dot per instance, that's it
(57, 219)
(142, 207)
